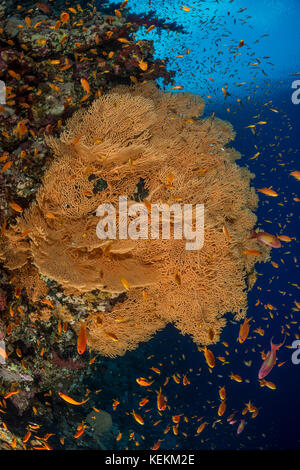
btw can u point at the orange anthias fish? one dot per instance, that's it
(241, 426)
(222, 393)
(270, 360)
(201, 427)
(6, 166)
(3, 353)
(266, 238)
(150, 28)
(157, 445)
(236, 377)
(143, 65)
(251, 252)
(268, 192)
(125, 283)
(85, 85)
(11, 394)
(15, 207)
(64, 17)
(115, 404)
(161, 402)
(81, 340)
(296, 174)
(44, 7)
(143, 402)
(177, 87)
(143, 382)
(266, 383)
(209, 357)
(138, 418)
(222, 408)
(71, 400)
(284, 238)
(244, 331)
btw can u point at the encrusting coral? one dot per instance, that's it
(152, 147)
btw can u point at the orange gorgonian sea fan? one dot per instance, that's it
(132, 138)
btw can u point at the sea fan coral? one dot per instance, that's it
(132, 138)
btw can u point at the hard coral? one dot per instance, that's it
(129, 135)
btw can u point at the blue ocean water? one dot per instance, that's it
(200, 41)
(207, 39)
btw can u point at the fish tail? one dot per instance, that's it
(277, 346)
(253, 234)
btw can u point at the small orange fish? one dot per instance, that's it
(268, 192)
(15, 207)
(226, 233)
(178, 279)
(47, 302)
(222, 393)
(93, 360)
(6, 166)
(123, 40)
(176, 379)
(225, 92)
(161, 402)
(222, 408)
(266, 383)
(81, 340)
(201, 427)
(176, 419)
(54, 87)
(296, 174)
(244, 331)
(111, 336)
(27, 437)
(138, 418)
(185, 381)
(284, 238)
(177, 87)
(64, 17)
(71, 400)
(157, 445)
(143, 382)
(13, 74)
(79, 432)
(76, 140)
(10, 394)
(260, 331)
(85, 85)
(236, 377)
(143, 65)
(150, 28)
(251, 252)
(14, 443)
(125, 283)
(143, 402)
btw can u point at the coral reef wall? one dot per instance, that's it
(150, 146)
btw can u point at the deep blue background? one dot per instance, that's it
(208, 28)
